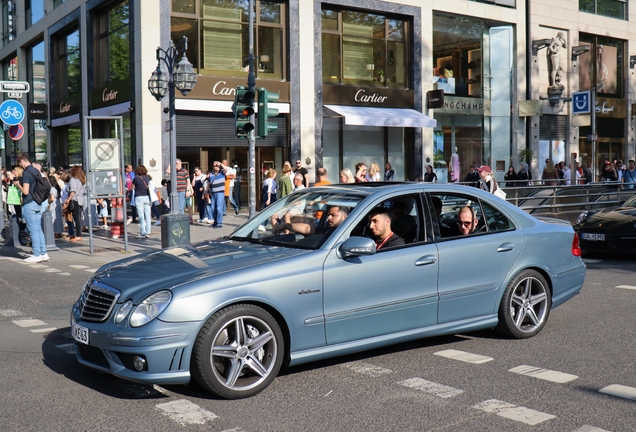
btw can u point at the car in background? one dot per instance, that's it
(608, 230)
(303, 281)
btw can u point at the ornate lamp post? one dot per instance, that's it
(182, 77)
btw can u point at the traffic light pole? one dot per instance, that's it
(251, 83)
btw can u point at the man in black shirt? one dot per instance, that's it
(303, 171)
(473, 177)
(380, 226)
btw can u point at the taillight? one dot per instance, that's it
(576, 249)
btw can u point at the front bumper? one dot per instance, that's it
(166, 348)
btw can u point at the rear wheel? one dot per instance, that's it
(525, 305)
(238, 352)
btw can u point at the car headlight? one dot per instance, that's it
(581, 218)
(123, 311)
(150, 308)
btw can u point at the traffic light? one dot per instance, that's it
(243, 108)
(264, 113)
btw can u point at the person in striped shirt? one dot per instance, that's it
(183, 179)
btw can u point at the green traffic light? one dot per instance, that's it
(265, 113)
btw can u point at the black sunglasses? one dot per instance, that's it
(466, 223)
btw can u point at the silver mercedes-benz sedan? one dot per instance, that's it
(324, 272)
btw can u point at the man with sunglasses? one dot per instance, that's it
(467, 220)
(303, 171)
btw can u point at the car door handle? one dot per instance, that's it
(426, 260)
(505, 247)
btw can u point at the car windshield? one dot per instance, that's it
(303, 219)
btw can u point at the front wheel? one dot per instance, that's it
(238, 352)
(525, 305)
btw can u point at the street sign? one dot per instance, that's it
(104, 154)
(581, 102)
(591, 137)
(16, 132)
(11, 112)
(14, 86)
(13, 95)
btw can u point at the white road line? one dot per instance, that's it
(544, 374)
(78, 266)
(631, 287)
(588, 428)
(43, 330)
(28, 322)
(68, 348)
(513, 412)
(52, 270)
(429, 387)
(464, 356)
(185, 412)
(236, 429)
(10, 312)
(64, 274)
(90, 270)
(620, 391)
(368, 369)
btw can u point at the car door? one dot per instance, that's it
(391, 291)
(473, 268)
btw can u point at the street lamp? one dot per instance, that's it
(184, 78)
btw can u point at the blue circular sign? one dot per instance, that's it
(11, 112)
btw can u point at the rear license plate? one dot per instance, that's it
(79, 333)
(593, 237)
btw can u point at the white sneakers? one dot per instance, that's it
(158, 223)
(36, 259)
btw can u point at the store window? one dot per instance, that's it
(34, 11)
(608, 8)
(112, 63)
(218, 38)
(365, 49)
(36, 75)
(602, 66)
(67, 66)
(8, 21)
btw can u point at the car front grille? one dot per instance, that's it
(97, 301)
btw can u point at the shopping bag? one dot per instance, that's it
(14, 195)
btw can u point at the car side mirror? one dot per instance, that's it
(357, 246)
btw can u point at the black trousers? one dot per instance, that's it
(77, 219)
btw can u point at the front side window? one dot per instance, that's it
(113, 42)
(67, 68)
(218, 38)
(608, 8)
(363, 48)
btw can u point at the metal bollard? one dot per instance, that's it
(49, 235)
(13, 232)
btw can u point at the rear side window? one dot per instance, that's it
(496, 220)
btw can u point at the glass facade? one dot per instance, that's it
(112, 64)
(366, 49)
(218, 39)
(67, 66)
(608, 8)
(37, 78)
(34, 11)
(8, 21)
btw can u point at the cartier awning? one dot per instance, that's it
(389, 117)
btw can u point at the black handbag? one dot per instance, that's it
(71, 205)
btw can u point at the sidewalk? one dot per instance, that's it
(107, 249)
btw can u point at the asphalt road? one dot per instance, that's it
(551, 382)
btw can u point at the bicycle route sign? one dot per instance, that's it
(11, 112)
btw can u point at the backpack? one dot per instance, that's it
(42, 189)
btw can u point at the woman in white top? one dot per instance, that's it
(373, 174)
(270, 188)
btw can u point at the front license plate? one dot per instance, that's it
(593, 237)
(80, 333)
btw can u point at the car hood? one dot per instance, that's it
(140, 276)
(612, 218)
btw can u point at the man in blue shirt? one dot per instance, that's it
(629, 176)
(32, 211)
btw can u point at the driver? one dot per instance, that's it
(467, 220)
(335, 216)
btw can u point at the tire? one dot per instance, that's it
(238, 352)
(525, 305)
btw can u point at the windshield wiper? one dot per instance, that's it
(247, 239)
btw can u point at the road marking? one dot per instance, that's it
(185, 412)
(620, 391)
(64, 274)
(236, 429)
(68, 348)
(43, 330)
(161, 390)
(78, 266)
(52, 270)
(544, 374)
(90, 270)
(28, 322)
(429, 387)
(38, 266)
(626, 287)
(464, 356)
(10, 312)
(513, 412)
(368, 369)
(588, 428)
